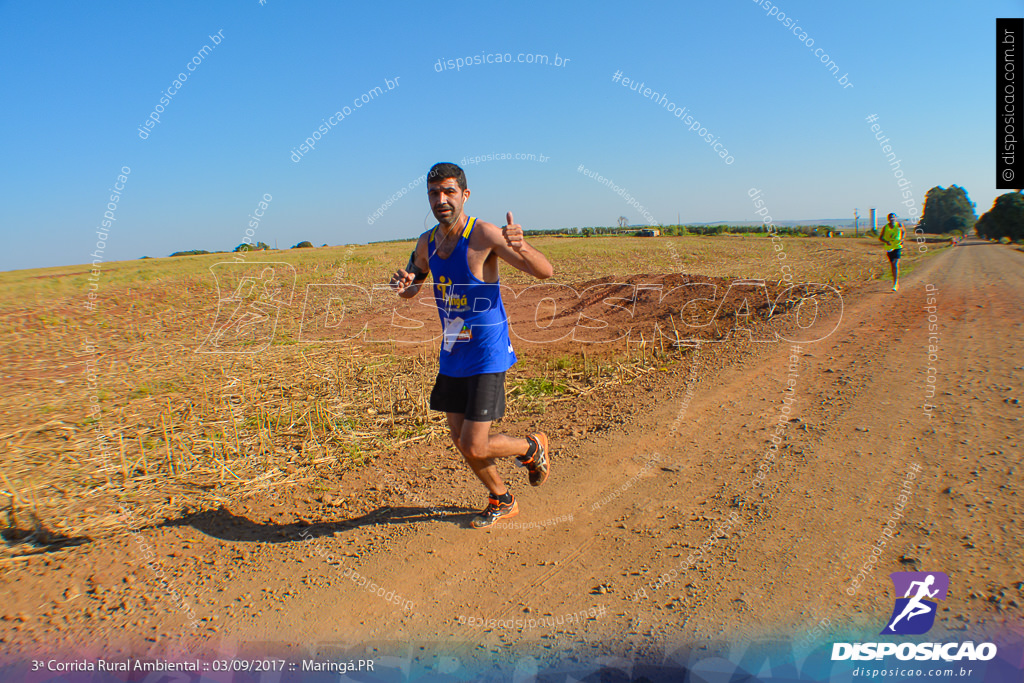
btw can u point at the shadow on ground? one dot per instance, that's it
(25, 534)
(225, 525)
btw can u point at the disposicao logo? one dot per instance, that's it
(914, 614)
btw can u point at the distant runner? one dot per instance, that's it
(462, 253)
(892, 238)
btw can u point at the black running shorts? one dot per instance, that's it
(895, 254)
(481, 398)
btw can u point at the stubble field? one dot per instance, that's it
(189, 420)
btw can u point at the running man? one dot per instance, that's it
(462, 253)
(892, 237)
(915, 607)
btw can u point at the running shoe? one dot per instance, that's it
(494, 511)
(896, 287)
(538, 465)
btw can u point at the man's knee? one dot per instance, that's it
(473, 451)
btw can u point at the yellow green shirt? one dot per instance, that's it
(893, 236)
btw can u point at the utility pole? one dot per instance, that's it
(856, 223)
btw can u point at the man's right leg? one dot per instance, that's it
(483, 468)
(471, 440)
(455, 421)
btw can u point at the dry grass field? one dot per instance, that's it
(137, 404)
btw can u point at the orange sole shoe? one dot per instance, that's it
(494, 511)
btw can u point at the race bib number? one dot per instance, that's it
(452, 329)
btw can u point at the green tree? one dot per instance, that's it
(946, 210)
(305, 244)
(259, 246)
(1004, 219)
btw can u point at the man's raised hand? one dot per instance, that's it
(513, 233)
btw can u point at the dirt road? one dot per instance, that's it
(749, 541)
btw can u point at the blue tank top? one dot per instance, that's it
(475, 335)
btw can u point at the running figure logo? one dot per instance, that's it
(914, 613)
(249, 301)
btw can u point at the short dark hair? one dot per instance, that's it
(445, 170)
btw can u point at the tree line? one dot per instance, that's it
(950, 211)
(946, 211)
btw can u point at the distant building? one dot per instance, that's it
(649, 232)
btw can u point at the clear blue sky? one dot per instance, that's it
(80, 78)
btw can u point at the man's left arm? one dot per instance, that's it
(510, 245)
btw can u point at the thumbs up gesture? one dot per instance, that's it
(513, 233)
